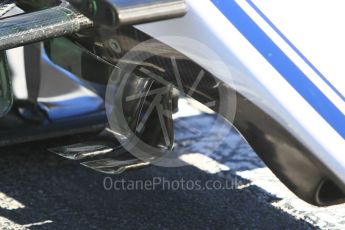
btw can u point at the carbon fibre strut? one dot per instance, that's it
(140, 99)
(46, 20)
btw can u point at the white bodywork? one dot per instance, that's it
(311, 37)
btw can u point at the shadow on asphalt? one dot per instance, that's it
(72, 197)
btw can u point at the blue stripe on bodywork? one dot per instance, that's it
(318, 72)
(281, 62)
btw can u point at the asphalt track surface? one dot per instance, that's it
(40, 190)
(43, 191)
